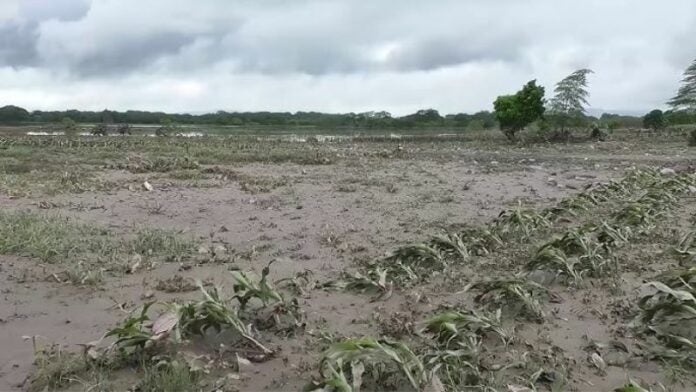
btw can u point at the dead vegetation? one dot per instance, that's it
(451, 307)
(637, 205)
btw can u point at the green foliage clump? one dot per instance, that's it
(686, 96)
(654, 120)
(570, 99)
(514, 112)
(344, 364)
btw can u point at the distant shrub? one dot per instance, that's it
(692, 138)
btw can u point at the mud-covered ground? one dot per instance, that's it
(329, 208)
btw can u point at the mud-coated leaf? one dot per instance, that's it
(357, 369)
(598, 362)
(679, 294)
(165, 323)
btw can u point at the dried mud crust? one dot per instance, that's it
(323, 219)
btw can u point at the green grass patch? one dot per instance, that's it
(171, 376)
(57, 239)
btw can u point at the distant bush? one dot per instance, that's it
(692, 138)
(654, 120)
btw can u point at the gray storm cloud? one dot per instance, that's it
(18, 44)
(339, 55)
(314, 38)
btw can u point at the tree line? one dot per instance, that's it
(14, 115)
(379, 120)
(512, 113)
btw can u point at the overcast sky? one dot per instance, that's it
(336, 56)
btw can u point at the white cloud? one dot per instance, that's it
(336, 55)
(9, 10)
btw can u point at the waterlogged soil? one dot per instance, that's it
(321, 218)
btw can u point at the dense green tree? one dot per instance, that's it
(567, 107)
(686, 95)
(655, 120)
(514, 112)
(13, 114)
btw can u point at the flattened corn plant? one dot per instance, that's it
(403, 267)
(195, 318)
(576, 254)
(573, 255)
(552, 259)
(417, 262)
(452, 244)
(247, 288)
(583, 201)
(374, 281)
(612, 236)
(640, 215)
(669, 314)
(457, 347)
(136, 334)
(344, 364)
(570, 206)
(453, 328)
(685, 248)
(516, 295)
(519, 221)
(459, 246)
(587, 250)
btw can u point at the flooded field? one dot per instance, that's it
(519, 261)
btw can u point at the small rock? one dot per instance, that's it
(147, 186)
(494, 163)
(219, 249)
(667, 172)
(692, 189)
(203, 250)
(148, 294)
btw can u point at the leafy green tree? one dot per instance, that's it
(568, 104)
(514, 112)
(655, 120)
(686, 95)
(13, 114)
